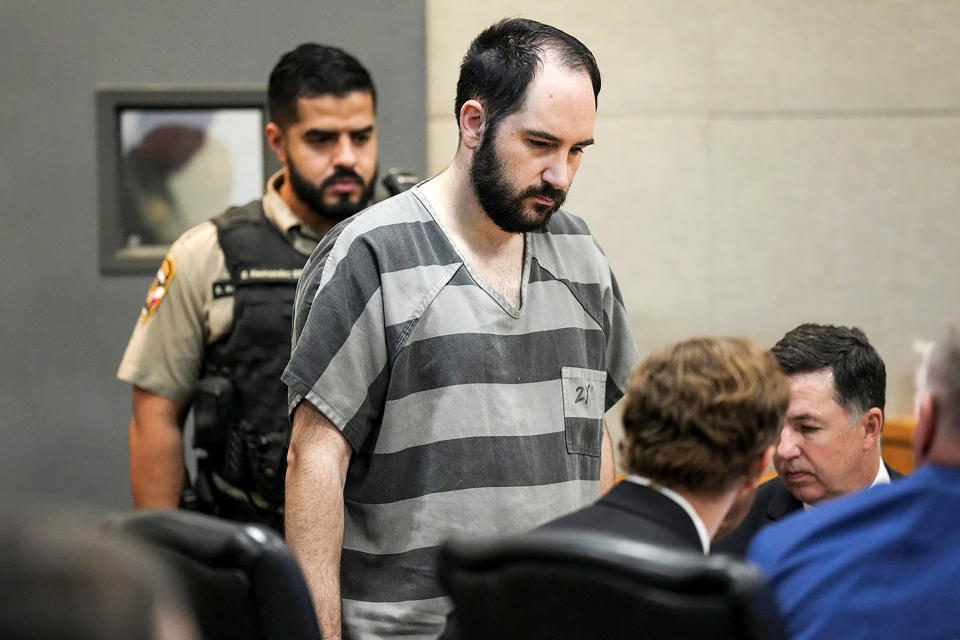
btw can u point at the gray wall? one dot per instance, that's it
(63, 326)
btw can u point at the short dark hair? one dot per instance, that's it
(698, 413)
(859, 375)
(313, 70)
(503, 59)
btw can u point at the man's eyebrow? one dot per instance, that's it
(803, 417)
(536, 133)
(333, 132)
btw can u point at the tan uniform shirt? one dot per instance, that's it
(182, 315)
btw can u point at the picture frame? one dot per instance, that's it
(170, 158)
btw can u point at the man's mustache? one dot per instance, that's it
(342, 173)
(544, 190)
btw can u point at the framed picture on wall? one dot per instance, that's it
(169, 159)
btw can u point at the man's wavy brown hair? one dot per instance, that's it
(699, 412)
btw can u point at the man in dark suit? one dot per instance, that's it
(700, 420)
(830, 442)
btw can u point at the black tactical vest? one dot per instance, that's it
(248, 444)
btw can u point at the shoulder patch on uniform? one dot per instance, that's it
(158, 289)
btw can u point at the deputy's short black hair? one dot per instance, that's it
(313, 70)
(503, 59)
(859, 375)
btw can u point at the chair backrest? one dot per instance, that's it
(242, 580)
(561, 584)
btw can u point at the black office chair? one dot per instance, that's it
(559, 585)
(242, 580)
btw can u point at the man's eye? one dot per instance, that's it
(807, 429)
(319, 140)
(540, 144)
(361, 138)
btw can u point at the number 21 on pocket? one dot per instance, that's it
(584, 395)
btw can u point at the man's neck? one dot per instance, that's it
(945, 452)
(494, 256)
(871, 469)
(455, 202)
(711, 509)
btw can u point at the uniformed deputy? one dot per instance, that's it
(214, 332)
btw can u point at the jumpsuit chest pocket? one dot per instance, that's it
(584, 393)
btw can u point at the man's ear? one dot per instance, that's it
(473, 120)
(742, 494)
(872, 423)
(925, 429)
(761, 464)
(275, 139)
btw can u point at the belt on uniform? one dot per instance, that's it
(248, 497)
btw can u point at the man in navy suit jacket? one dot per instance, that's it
(830, 442)
(884, 563)
(700, 420)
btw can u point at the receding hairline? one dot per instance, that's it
(553, 53)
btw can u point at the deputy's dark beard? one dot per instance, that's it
(312, 195)
(493, 192)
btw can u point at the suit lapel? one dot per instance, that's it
(894, 474)
(781, 503)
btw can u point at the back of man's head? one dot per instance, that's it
(60, 578)
(860, 378)
(313, 70)
(941, 379)
(503, 59)
(699, 413)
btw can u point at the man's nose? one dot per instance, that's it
(559, 173)
(787, 445)
(345, 155)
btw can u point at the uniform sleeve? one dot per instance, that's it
(165, 352)
(621, 350)
(339, 358)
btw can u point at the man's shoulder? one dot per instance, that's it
(864, 541)
(772, 494)
(395, 235)
(635, 512)
(399, 210)
(197, 251)
(567, 249)
(836, 520)
(388, 223)
(399, 232)
(771, 502)
(200, 236)
(564, 222)
(252, 211)
(203, 239)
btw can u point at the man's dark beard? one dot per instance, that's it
(312, 195)
(493, 192)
